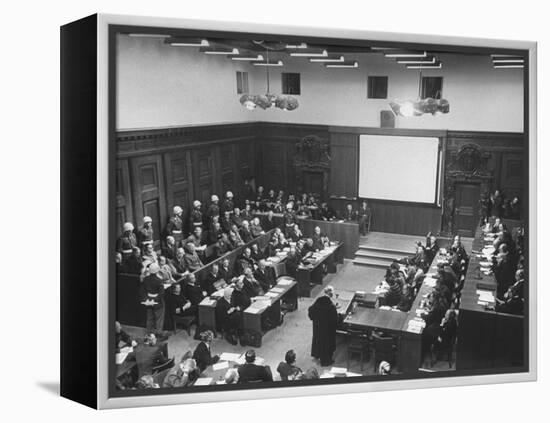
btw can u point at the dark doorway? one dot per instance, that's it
(313, 182)
(467, 208)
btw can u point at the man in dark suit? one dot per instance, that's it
(364, 216)
(504, 270)
(324, 316)
(213, 281)
(269, 222)
(169, 250)
(202, 354)
(318, 239)
(251, 286)
(150, 354)
(264, 276)
(350, 215)
(193, 293)
(228, 318)
(251, 372)
(326, 212)
(214, 233)
(226, 272)
(245, 233)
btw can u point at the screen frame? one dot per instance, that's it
(105, 190)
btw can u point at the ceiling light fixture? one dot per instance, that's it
(219, 50)
(267, 63)
(310, 52)
(416, 62)
(268, 100)
(406, 54)
(343, 65)
(327, 59)
(188, 42)
(427, 66)
(259, 57)
(143, 35)
(420, 106)
(299, 46)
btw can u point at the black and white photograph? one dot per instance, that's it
(292, 210)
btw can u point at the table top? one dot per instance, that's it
(284, 284)
(390, 320)
(321, 256)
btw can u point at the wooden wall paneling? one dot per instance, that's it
(228, 170)
(147, 180)
(511, 174)
(203, 174)
(123, 201)
(343, 166)
(273, 164)
(179, 181)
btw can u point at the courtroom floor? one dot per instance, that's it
(295, 332)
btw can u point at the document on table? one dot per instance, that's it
(338, 370)
(220, 365)
(271, 294)
(207, 302)
(203, 381)
(229, 356)
(284, 282)
(120, 357)
(277, 290)
(326, 376)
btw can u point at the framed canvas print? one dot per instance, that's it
(254, 211)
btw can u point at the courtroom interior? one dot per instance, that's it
(289, 209)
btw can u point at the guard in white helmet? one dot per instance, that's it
(145, 234)
(213, 210)
(174, 227)
(196, 215)
(127, 241)
(228, 204)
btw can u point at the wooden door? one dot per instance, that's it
(466, 208)
(313, 182)
(148, 188)
(123, 207)
(179, 186)
(203, 175)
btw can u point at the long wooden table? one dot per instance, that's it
(487, 339)
(336, 230)
(312, 274)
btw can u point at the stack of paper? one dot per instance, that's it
(430, 282)
(229, 356)
(220, 365)
(208, 302)
(485, 296)
(277, 290)
(120, 357)
(352, 374)
(326, 376)
(338, 371)
(284, 282)
(271, 294)
(415, 326)
(203, 381)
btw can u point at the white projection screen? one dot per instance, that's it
(399, 168)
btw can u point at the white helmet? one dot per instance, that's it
(289, 205)
(153, 268)
(178, 210)
(229, 194)
(214, 198)
(196, 203)
(147, 219)
(128, 227)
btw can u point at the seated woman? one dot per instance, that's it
(202, 354)
(287, 369)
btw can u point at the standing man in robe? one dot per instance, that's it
(324, 316)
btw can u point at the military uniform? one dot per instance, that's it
(145, 235)
(126, 243)
(196, 218)
(175, 228)
(364, 220)
(227, 205)
(213, 210)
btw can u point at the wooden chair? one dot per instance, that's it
(357, 343)
(185, 321)
(384, 349)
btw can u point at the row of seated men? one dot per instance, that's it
(508, 267)
(497, 204)
(156, 370)
(247, 277)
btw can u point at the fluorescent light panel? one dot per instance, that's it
(432, 66)
(310, 53)
(508, 66)
(278, 63)
(416, 62)
(218, 50)
(297, 46)
(195, 42)
(248, 58)
(406, 54)
(343, 65)
(141, 35)
(327, 59)
(507, 60)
